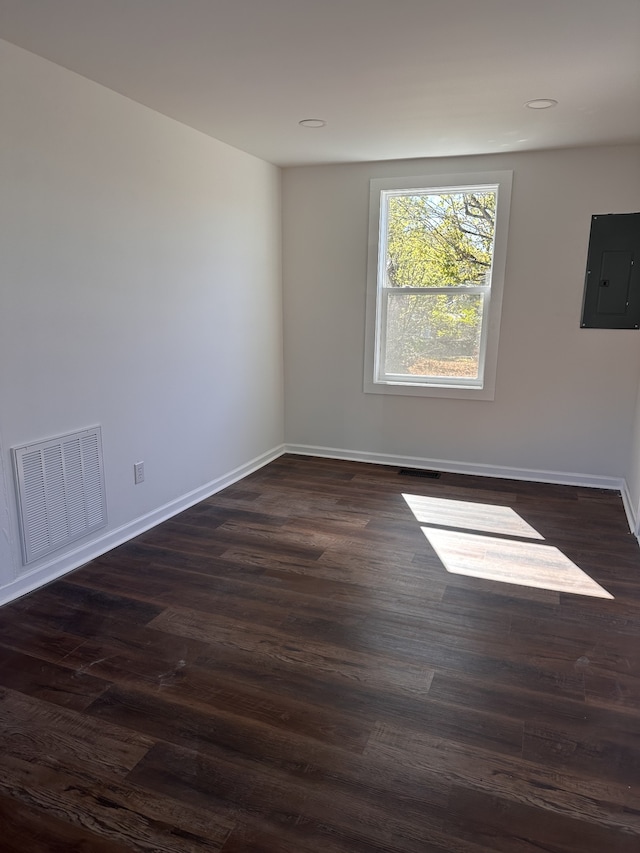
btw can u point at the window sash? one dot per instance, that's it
(384, 290)
(423, 379)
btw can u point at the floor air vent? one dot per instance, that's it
(60, 485)
(417, 472)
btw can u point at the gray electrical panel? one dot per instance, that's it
(612, 285)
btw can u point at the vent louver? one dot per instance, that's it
(60, 485)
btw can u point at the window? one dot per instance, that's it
(437, 251)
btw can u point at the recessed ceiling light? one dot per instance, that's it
(541, 103)
(312, 122)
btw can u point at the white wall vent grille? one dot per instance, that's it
(60, 485)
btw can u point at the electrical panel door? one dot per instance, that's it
(612, 285)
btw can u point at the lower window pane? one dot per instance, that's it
(436, 335)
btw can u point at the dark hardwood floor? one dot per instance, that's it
(289, 667)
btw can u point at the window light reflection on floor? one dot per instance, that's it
(469, 550)
(486, 518)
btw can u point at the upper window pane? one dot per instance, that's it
(439, 239)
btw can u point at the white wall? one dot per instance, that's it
(7, 543)
(565, 396)
(141, 290)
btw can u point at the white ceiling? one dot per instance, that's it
(392, 78)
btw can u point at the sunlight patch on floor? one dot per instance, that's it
(504, 558)
(488, 518)
(531, 564)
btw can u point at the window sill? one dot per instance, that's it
(452, 392)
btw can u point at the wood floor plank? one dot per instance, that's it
(610, 755)
(162, 583)
(365, 820)
(479, 768)
(227, 737)
(26, 828)
(530, 706)
(319, 657)
(115, 811)
(119, 704)
(506, 826)
(51, 682)
(35, 637)
(45, 734)
(369, 694)
(62, 597)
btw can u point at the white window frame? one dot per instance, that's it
(482, 388)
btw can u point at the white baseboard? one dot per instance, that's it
(71, 560)
(632, 515)
(532, 474)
